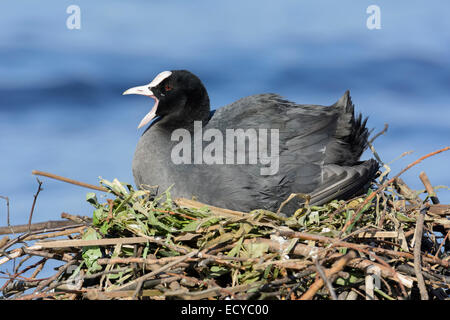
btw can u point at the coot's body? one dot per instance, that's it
(316, 150)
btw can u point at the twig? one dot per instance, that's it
(426, 182)
(75, 182)
(63, 257)
(403, 189)
(39, 268)
(326, 280)
(373, 194)
(4, 241)
(292, 196)
(385, 129)
(417, 254)
(442, 243)
(305, 250)
(87, 243)
(106, 295)
(40, 295)
(55, 234)
(39, 226)
(34, 203)
(336, 267)
(156, 272)
(182, 202)
(7, 208)
(62, 269)
(77, 219)
(138, 289)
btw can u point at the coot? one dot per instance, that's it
(253, 153)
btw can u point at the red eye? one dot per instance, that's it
(167, 87)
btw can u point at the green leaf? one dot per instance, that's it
(192, 226)
(243, 229)
(403, 218)
(235, 251)
(267, 271)
(91, 254)
(98, 216)
(220, 239)
(217, 271)
(105, 227)
(155, 222)
(91, 197)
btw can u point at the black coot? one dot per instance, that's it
(252, 153)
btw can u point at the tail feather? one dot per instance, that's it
(350, 138)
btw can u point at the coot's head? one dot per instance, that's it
(180, 97)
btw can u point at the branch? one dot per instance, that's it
(75, 182)
(417, 255)
(34, 203)
(337, 266)
(373, 194)
(40, 226)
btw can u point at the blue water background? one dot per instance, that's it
(61, 108)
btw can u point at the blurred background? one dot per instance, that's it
(61, 108)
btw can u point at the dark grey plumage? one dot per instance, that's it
(320, 148)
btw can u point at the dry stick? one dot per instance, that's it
(25, 235)
(417, 255)
(326, 280)
(75, 182)
(149, 261)
(87, 277)
(138, 289)
(29, 267)
(39, 268)
(442, 243)
(306, 250)
(56, 256)
(62, 269)
(4, 241)
(363, 264)
(337, 266)
(386, 126)
(162, 269)
(426, 182)
(161, 242)
(404, 190)
(88, 243)
(440, 209)
(7, 208)
(216, 210)
(34, 203)
(55, 234)
(373, 194)
(22, 261)
(107, 295)
(340, 243)
(40, 226)
(77, 219)
(40, 295)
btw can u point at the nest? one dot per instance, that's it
(388, 244)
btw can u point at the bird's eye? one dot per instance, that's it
(167, 87)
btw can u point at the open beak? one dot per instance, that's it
(145, 91)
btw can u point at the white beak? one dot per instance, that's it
(142, 90)
(145, 91)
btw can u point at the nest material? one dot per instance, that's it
(387, 244)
